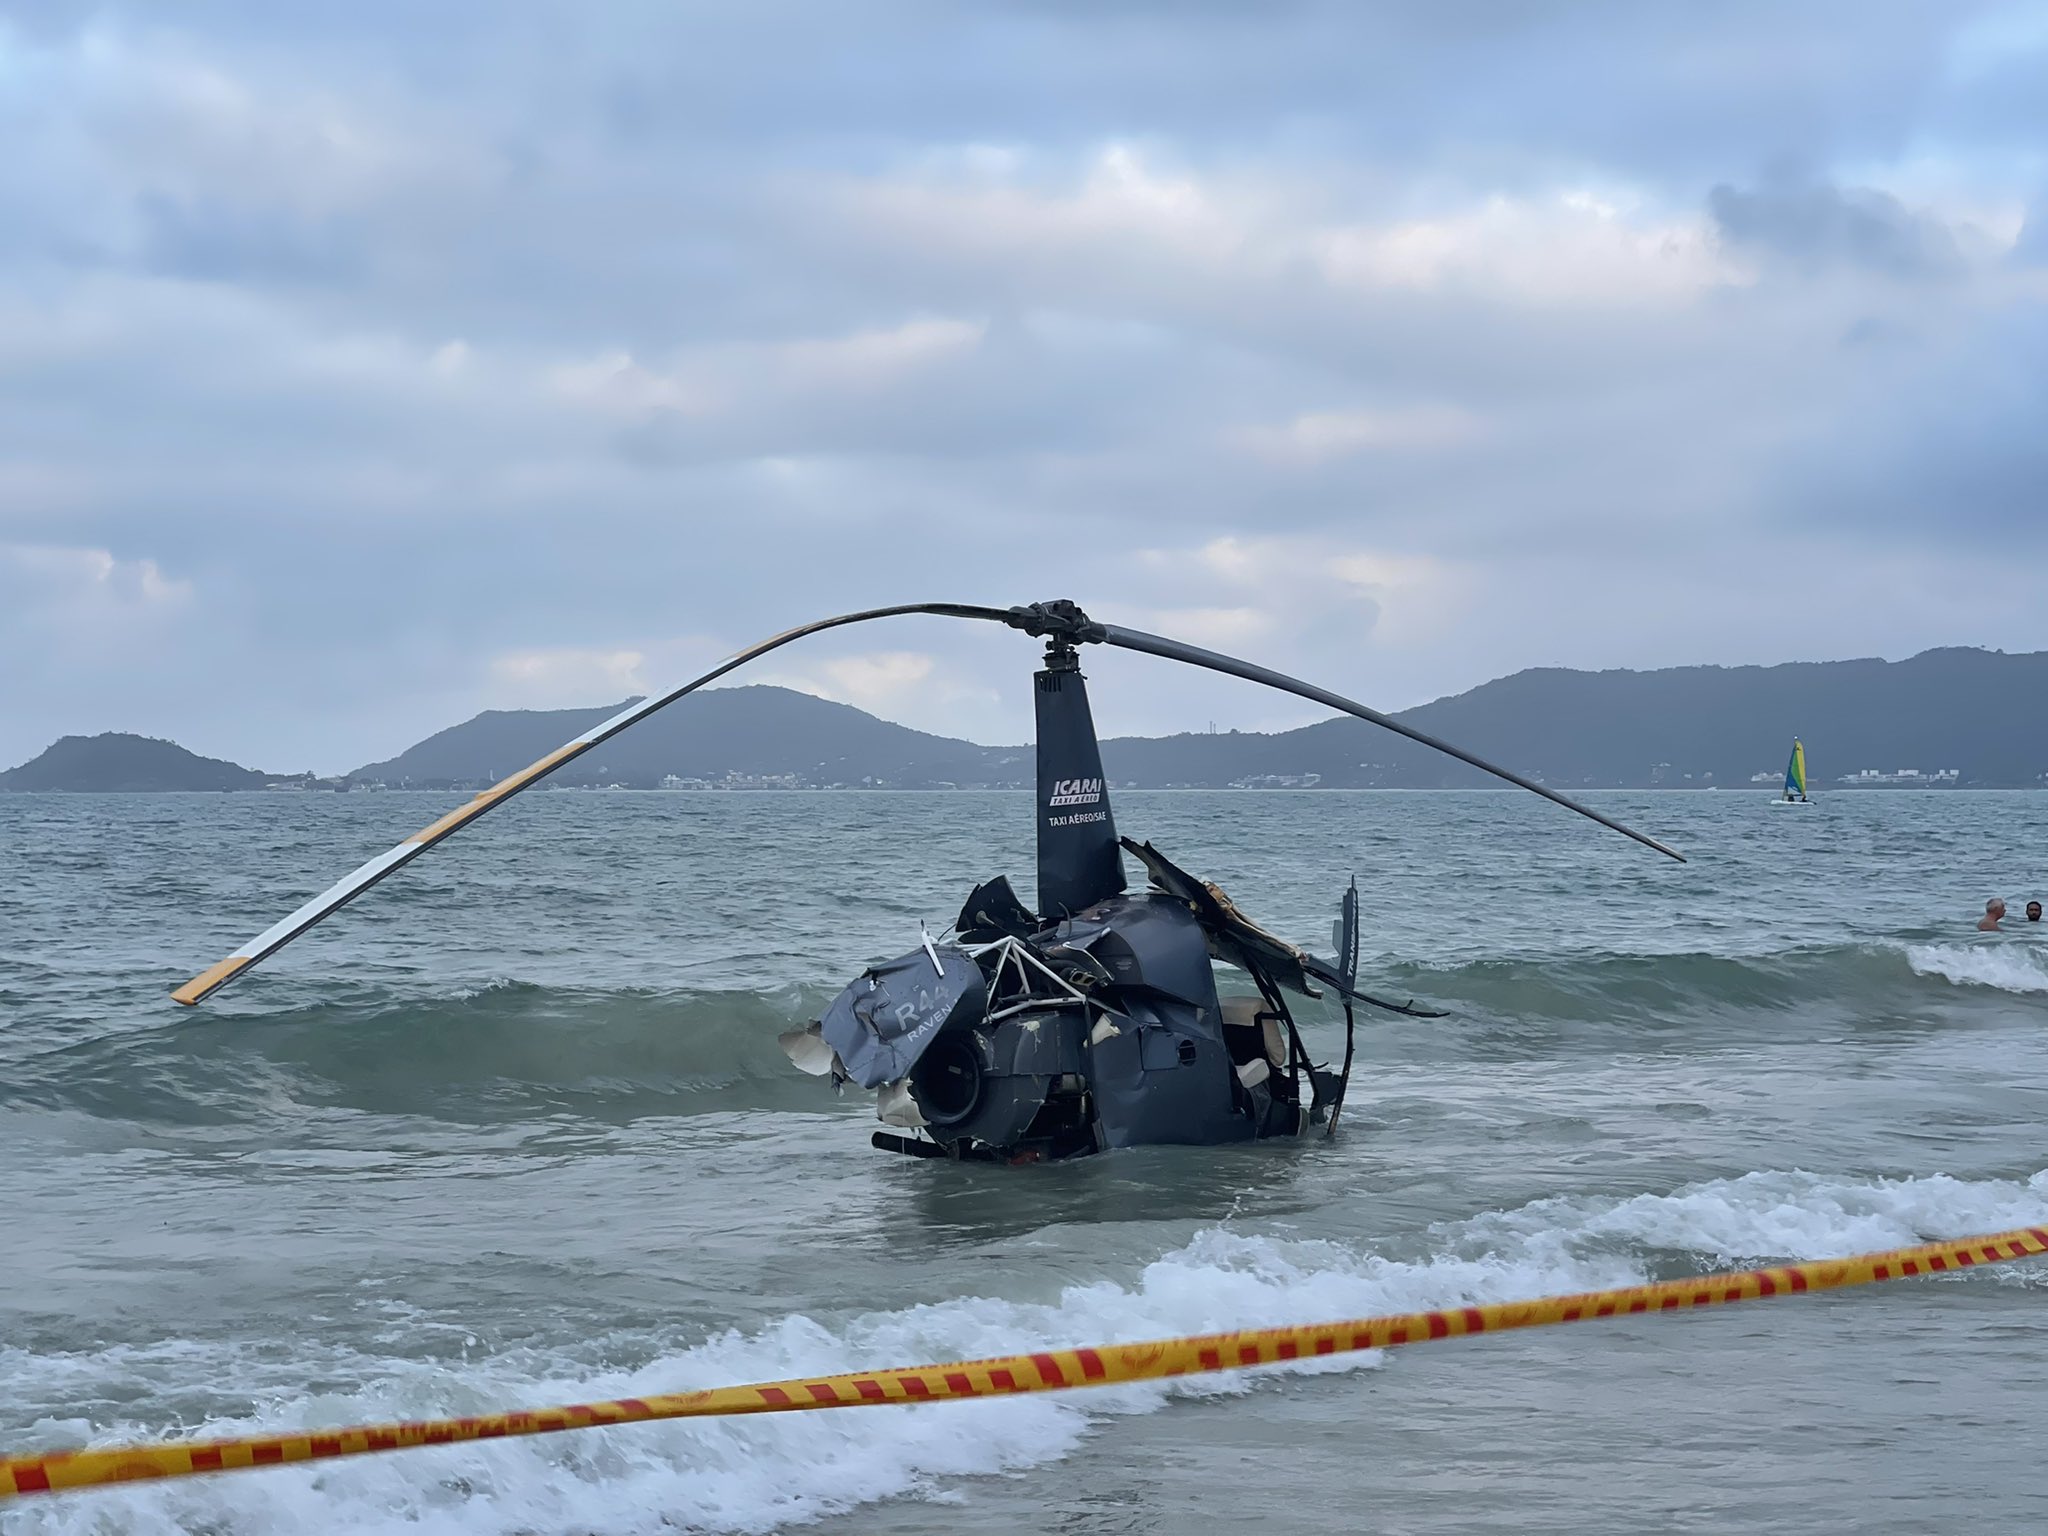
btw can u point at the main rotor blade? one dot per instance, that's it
(1216, 661)
(351, 886)
(1060, 619)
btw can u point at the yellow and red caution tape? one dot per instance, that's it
(1049, 1371)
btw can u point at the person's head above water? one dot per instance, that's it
(2033, 911)
(1994, 909)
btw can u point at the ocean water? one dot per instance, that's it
(514, 1130)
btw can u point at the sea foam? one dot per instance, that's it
(762, 1474)
(2010, 967)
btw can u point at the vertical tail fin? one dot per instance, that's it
(1078, 860)
(1347, 936)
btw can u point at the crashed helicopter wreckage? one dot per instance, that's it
(1092, 1023)
(1023, 1040)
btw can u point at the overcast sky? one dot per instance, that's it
(365, 366)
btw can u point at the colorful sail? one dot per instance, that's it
(1795, 772)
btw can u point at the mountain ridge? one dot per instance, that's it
(1951, 708)
(120, 762)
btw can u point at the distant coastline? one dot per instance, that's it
(1683, 728)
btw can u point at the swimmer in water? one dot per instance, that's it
(1994, 909)
(2033, 911)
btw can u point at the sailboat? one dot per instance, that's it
(1795, 778)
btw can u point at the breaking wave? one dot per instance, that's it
(2008, 967)
(1878, 979)
(761, 1474)
(503, 1051)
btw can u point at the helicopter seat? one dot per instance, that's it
(1252, 1034)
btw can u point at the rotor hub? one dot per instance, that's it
(1060, 621)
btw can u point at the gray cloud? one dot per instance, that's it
(1952, 455)
(207, 243)
(1816, 224)
(363, 367)
(2032, 246)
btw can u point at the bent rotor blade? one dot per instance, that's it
(351, 886)
(1216, 661)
